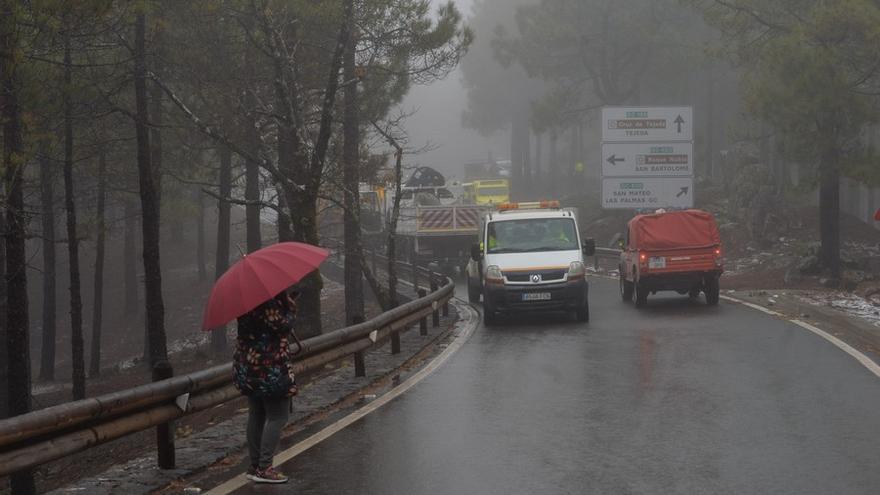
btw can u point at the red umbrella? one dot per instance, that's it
(258, 277)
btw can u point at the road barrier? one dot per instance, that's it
(609, 253)
(42, 436)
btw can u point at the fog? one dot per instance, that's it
(438, 120)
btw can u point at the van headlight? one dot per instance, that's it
(576, 271)
(493, 275)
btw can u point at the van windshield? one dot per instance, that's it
(531, 235)
(493, 191)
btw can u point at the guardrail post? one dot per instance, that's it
(446, 308)
(435, 316)
(596, 261)
(395, 342)
(423, 322)
(164, 432)
(415, 274)
(360, 367)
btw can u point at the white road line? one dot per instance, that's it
(470, 321)
(859, 356)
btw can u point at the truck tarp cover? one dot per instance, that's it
(674, 230)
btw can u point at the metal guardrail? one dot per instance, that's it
(610, 253)
(48, 434)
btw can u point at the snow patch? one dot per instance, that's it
(850, 304)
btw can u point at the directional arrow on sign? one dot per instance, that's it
(684, 191)
(614, 160)
(679, 120)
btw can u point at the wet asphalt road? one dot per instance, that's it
(676, 398)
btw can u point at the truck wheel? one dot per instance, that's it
(712, 290)
(473, 292)
(641, 295)
(626, 288)
(583, 312)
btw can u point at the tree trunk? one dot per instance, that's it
(537, 165)
(392, 229)
(4, 353)
(221, 264)
(155, 308)
(516, 158)
(829, 212)
(253, 143)
(98, 302)
(47, 197)
(354, 287)
(710, 127)
(305, 230)
(252, 196)
(76, 325)
(129, 252)
(552, 165)
(200, 237)
(17, 325)
(285, 231)
(526, 153)
(304, 203)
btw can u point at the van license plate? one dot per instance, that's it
(536, 296)
(656, 262)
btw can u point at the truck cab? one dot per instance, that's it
(671, 251)
(530, 257)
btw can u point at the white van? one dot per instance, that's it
(530, 257)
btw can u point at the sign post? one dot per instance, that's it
(647, 157)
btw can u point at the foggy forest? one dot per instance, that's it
(149, 145)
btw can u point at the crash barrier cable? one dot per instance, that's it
(48, 434)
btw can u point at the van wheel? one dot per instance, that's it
(583, 312)
(712, 290)
(626, 288)
(473, 292)
(489, 317)
(641, 295)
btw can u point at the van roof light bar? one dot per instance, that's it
(531, 205)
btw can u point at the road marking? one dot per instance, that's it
(859, 356)
(470, 323)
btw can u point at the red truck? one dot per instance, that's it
(677, 250)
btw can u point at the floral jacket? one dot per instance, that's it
(261, 363)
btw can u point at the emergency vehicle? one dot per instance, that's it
(486, 192)
(530, 257)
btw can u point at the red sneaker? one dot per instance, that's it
(269, 475)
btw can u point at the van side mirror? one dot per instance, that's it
(476, 252)
(589, 247)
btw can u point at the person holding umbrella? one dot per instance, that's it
(255, 291)
(262, 372)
